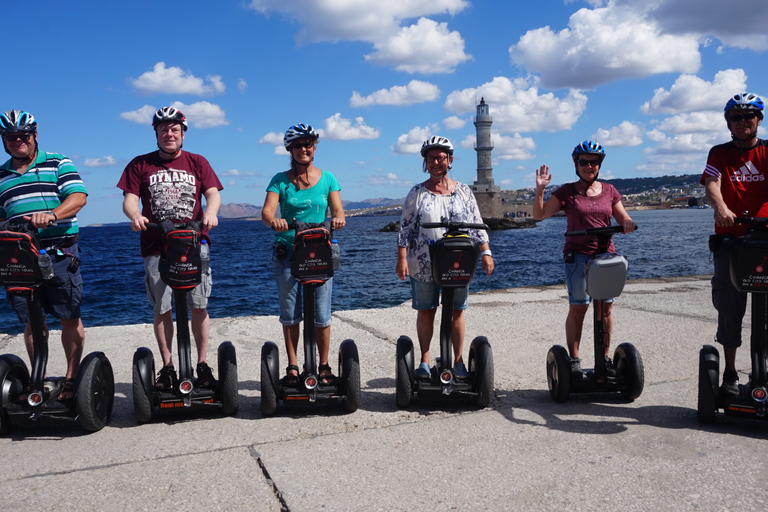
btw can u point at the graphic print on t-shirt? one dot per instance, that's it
(173, 194)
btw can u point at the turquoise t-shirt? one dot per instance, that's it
(307, 205)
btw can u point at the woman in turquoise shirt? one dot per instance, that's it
(303, 193)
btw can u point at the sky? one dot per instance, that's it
(648, 80)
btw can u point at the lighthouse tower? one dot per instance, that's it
(487, 194)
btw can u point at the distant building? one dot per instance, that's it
(487, 194)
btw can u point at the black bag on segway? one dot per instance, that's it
(312, 257)
(19, 250)
(180, 260)
(454, 260)
(749, 262)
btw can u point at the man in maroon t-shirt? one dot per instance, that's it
(171, 183)
(736, 181)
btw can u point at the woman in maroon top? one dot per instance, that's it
(587, 203)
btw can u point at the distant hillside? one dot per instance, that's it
(239, 210)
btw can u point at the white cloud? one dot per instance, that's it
(202, 114)
(338, 128)
(274, 139)
(242, 85)
(517, 107)
(624, 135)
(603, 45)
(415, 92)
(140, 116)
(388, 179)
(454, 123)
(690, 93)
(99, 162)
(426, 47)
(236, 173)
(173, 80)
(506, 147)
(712, 123)
(410, 143)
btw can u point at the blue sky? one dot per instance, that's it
(648, 81)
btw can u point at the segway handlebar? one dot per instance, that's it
(752, 221)
(606, 230)
(451, 225)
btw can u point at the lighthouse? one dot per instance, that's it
(487, 194)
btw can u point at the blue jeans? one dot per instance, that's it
(290, 293)
(576, 280)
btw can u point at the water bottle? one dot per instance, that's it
(46, 265)
(335, 253)
(205, 256)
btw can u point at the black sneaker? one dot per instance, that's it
(205, 376)
(730, 385)
(166, 378)
(576, 372)
(610, 369)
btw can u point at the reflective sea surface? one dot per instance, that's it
(667, 243)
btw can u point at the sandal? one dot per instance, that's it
(291, 380)
(326, 380)
(67, 389)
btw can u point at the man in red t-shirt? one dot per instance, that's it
(736, 181)
(171, 183)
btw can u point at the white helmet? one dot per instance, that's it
(436, 142)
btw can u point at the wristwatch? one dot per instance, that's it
(486, 252)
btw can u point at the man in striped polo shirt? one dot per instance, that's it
(45, 188)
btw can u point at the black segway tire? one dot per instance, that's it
(227, 359)
(629, 366)
(349, 372)
(559, 373)
(270, 362)
(709, 372)
(14, 377)
(94, 392)
(481, 366)
(143, 368)
(404, 370)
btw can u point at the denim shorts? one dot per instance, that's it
(160, 295)
(576, 280)
(427, 296)
(290, 293)
(62, 295)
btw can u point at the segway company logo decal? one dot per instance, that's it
(759, 268)
(14, 260)
(747, 173)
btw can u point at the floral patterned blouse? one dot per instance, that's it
(421, 205)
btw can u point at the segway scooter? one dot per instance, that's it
(313, 265)
(454, 261)
(606, 275)
(26, 398)
(749, 273)
(181, 268)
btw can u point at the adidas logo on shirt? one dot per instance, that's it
(747, 172)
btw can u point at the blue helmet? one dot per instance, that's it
(588, 147)
(299, 131)
(17, 121)
(745, 101)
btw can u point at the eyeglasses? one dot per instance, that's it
(436, 159)
(10, 137)
(735, 118)
(584, 163)
(302, 145)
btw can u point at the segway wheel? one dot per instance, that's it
(629, 366)
(227, 359)
(95, 392)
(481, 365)
(349, 373)
(559, 373)
(143, 375)
(709, 371)
(14, 377)
(270, 362)
(404, 370)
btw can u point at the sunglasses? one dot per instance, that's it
(584, 163)
(302, 145)
(436, 159)
(10, 137)
(735, 118)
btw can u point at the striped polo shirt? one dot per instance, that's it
(43, 187)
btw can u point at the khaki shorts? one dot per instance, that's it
(160, 295)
